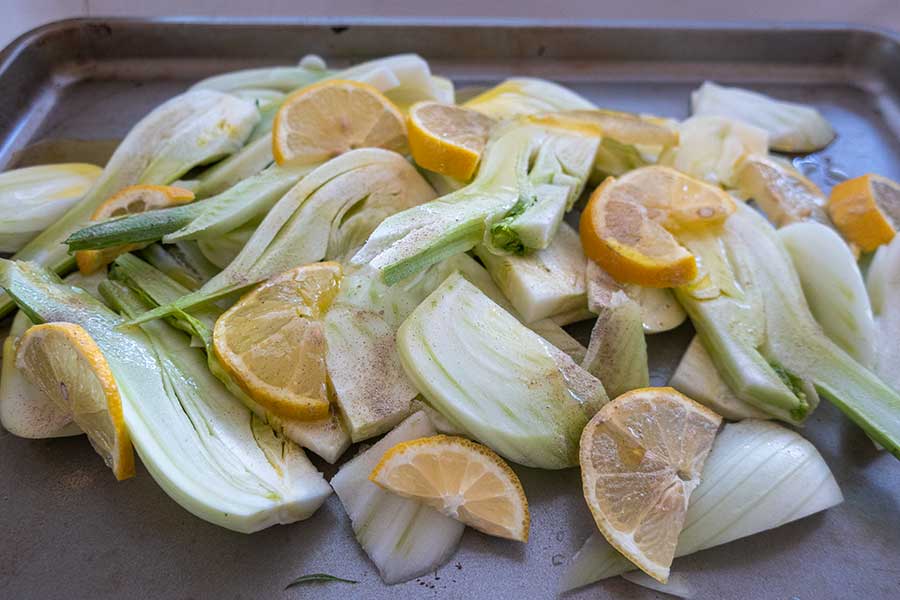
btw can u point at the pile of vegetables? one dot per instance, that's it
(446, 274)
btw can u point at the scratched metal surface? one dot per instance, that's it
(68, 530)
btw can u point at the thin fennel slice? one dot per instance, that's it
(163, 424)
(617, 351)
(192, 129)
(660, 311)
(883, 281)
(758, 476)
(495, 378)
(404, 538)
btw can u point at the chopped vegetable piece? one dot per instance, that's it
(499, 381)
(524, 96)
(459, 478)
(792, 127)
(403, 537)
(660, 310)
(617, 352)
(624, 128)
(758, 476)
(883, 281)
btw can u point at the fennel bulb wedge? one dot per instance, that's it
(768, 338)
(403, 538)
(833, 287)
(218, 469)
(522, 96)
(617, 351)
(660, 311)
(33, 198)
(496, 379)
(883, 281)
(792, 127)
(544, 283)
(697, 378)
(758, 476)
(326, 215)
(505, 186)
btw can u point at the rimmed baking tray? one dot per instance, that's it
(67, 529)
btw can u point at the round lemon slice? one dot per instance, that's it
(628, 224)
(131, 200)
(448, 139)
(866, 210)
(625, 128)
(64, 362)
(321, 121)
(461, 479)
(272, 341)
(641, 457)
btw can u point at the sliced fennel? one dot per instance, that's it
(660, 310)
(239, 477)
(558, 336)
(544, 283)
(403, 538)
(496, 379)
(33, 198)
(221, 250)
(833, 287)
(757, 476)
(327, 437)
(281, 79)
(414, 239)
(766, 343)
(711, 148)
(250, 160)
(192, 129)
(526, 96)
(325, 216)
(791, 127)
(182, 262)
(617, 352)
(697, 378)
(26, 411)
(883, 280)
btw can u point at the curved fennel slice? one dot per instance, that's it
(883, 281)
(758, 476)
(161, 416)
(495, 378)
(660, 311)
(404, 538)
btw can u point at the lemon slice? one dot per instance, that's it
(326, 119)
(131, 200)
(448, 139)
(625, 128)
(628, 223)
(461, 479)
(866, 210)
(64, 362)
(272, 341)
(641, 457)
(782, 193)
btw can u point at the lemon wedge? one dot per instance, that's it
(448, 139)
(641, 457)
(781, 192)
(866, 210)
(324, 120)
(461, 479)
(65, 363)
(272, 341)
(628, 224)
(131, 200)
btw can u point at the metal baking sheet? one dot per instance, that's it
(67, 529)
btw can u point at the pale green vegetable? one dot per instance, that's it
(711, 148)
(26, 411)
(697, 378)
(326, 437)
(617, 352)
(792, 127)
(543, 283)
(325, 216)
(403, 538)
(526, 96)
(412, 240)
(252, 158)
(558, 336)
(182, 262)
(883, 280)
(198, 445)
(280, 79)
(33, 198)
(404, 78)
(660, 310)
(615, 159)
(496, 379)
(765, 342)
(833, 287)
(757, 476)
(221, 250)
(677, 585)
(192, 129)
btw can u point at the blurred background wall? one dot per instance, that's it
(19, 16)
